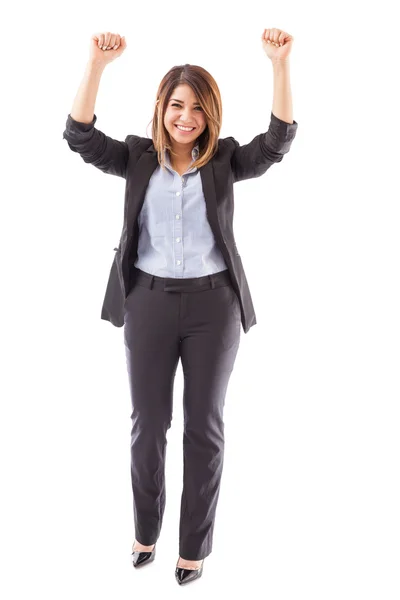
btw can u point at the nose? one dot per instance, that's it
(185, 116)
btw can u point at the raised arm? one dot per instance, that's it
(255, 158)
(96, 148)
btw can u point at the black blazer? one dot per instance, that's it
(135, 160)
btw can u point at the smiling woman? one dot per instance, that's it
(185, 123)
(177, 285)
(188, 96)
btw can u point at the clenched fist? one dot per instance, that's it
(106, 47)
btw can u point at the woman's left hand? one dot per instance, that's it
(277, 44)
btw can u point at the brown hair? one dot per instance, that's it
(206, 90)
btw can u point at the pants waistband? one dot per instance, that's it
(191, 284)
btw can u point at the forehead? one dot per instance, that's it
(183, 92)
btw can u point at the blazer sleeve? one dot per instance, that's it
(253, 159)
(96, 148)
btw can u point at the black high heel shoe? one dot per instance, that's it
(185, 575)
(140, 558)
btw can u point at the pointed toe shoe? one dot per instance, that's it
(186, 575)
(143, 558)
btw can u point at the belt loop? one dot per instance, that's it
(212, 282)
(151, 282)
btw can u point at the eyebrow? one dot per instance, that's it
(180, 101)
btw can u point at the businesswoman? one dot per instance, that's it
(177, 283)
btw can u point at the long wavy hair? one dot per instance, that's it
(207, 92)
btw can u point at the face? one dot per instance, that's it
(183, 109)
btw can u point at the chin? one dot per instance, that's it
(178, 139)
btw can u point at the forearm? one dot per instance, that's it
(282, 100)
(85, 99)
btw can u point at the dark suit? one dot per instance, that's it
(135, 159)
(195, 319)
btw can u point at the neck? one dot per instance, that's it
(181, 156)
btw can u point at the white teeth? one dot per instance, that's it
(185, 128)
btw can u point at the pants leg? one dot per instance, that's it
(152, 354)
(210, 330)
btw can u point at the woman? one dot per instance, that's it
(177, 283)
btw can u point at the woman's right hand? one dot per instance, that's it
(113, 44)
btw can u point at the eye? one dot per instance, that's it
(179, 106)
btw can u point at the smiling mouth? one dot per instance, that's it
(184, 130)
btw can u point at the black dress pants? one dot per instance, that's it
(197, 319)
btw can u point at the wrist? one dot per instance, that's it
(280, 61)
(95, 65)
(280, 68)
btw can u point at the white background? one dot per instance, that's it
(310, 490)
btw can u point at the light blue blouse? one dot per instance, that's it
(175, 238)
